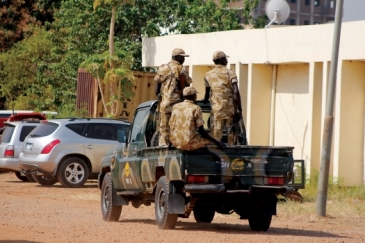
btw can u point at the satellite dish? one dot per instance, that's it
(277, 11)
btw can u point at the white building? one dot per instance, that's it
(283, 74)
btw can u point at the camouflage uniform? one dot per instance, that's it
(220, 81)
(185, 119)
(168, 74)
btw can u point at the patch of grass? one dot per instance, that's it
(337, 191)
(342, 201)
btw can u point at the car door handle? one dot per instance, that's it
(89, 146)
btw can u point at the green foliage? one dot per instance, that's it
(202, 16)
(248, 6)
(70, 111)
(41, 71)
(30, 76)
(17, 17)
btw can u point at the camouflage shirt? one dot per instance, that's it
(185, 119)
(220, 81)
(168, 74)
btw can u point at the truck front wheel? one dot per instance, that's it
(164, 220)
(109, 211)
(260, 222)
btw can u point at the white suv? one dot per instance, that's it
(69, 150)
(11, 145)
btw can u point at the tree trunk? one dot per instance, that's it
(111, 34)
(111, 53)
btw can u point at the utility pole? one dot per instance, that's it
(328, 120)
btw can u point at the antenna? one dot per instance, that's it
(277, 11)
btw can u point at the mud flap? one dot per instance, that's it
(270, 206)
(176, 204)
(119, 200)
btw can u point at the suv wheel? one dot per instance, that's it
(73, 172)
(21, 177)
(44, 180)
(30, 177)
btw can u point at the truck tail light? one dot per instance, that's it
(48, 148)
(9, 151)
(197, 179)
(275, 180)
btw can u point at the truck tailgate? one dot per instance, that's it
(240, 161)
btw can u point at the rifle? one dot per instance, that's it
(181, 84)
(239, 130)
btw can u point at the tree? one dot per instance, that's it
(17, 16)
(23, 70)
(33, 77)
(114, 5)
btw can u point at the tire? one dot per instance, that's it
(164, 220)
(21, 177)
(203, 214)
(45, 180)
(73, 172)
(260, 222)
(109, 211)
(30, 177)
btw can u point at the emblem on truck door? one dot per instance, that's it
(126, 169)
(237, 165)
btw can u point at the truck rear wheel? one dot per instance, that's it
(164, 220)
(203, 214)
(260, 222)
(109, 211)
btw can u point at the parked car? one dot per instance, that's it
(11, 145)
(69, 150)
(16, 115)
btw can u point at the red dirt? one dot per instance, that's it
(31, 213)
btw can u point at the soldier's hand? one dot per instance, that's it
(221, 145)
(237, 117)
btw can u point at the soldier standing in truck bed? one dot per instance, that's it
(171, 79)
(222, 91)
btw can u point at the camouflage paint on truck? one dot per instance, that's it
(240, 178)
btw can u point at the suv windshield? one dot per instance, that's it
(44, 129)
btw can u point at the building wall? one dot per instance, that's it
(283, 80)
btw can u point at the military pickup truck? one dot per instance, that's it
(241, 179)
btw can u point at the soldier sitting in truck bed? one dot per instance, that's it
(186, 124)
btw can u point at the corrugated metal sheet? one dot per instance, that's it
(143, 90)
(85, 92)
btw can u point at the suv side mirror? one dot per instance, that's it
(121, 136)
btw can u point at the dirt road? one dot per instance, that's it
(31, 213)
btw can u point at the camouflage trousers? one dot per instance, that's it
(216, 129)
(164, 127)
(195, 143)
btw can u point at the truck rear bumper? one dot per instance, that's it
(220, 188)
